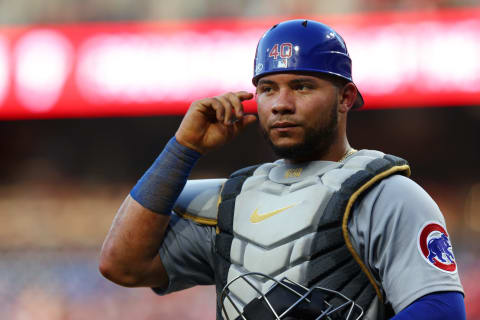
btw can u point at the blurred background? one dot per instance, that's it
(90, 92)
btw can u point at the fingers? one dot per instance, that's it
(212, 122)
(246, 120)
(218, 107)
(229, 108)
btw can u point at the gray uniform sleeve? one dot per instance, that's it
(187, 255)
(187, 252)
(386, 228)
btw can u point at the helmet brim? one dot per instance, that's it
(359, 102)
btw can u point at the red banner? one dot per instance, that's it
(121, 69)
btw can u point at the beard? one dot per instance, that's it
(316, 143)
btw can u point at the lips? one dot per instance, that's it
(283, 124)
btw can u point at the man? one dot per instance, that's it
(347, 225)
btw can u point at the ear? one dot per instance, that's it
(347, 96)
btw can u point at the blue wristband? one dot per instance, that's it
(161, 184)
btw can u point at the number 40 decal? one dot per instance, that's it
(284, 50)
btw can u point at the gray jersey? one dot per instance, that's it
(390, 228)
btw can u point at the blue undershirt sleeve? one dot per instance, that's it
(162, 183)
(435, 306)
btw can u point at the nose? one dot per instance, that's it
(284, 102)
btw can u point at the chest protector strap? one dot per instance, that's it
(223, 241)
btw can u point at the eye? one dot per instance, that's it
(303, 87)
(264, 89)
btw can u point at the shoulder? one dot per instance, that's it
(398, 190)
(392, 227)
(388, 208)
(198, 200)
(398, 197)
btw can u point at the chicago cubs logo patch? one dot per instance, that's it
(435, 247)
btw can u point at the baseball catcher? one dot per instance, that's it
(325, 232)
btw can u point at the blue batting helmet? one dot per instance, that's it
(303, 46)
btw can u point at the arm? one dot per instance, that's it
(386, 228)
(129, 255)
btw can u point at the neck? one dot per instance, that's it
(336, 152)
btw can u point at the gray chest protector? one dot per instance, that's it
(291, 221)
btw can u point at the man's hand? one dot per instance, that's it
(212, 122)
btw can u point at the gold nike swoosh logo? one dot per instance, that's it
(256, 217)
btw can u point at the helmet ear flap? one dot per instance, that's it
(303, 46)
